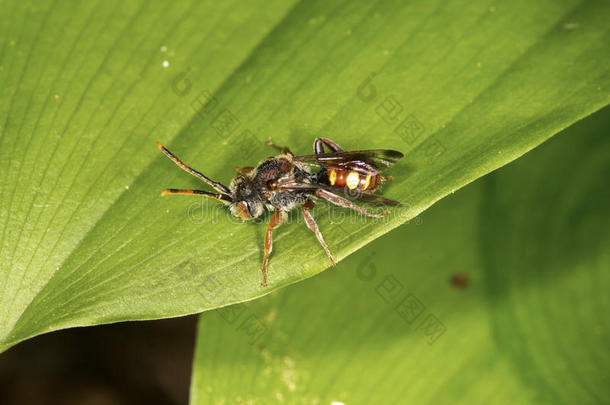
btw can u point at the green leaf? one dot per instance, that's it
(461, 88)
(547, 264)
(85, 94)
(530, 325)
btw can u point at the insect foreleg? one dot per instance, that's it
(283, 149)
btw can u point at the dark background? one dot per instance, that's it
(123, 363)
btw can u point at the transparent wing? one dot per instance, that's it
(369, 161)
(364, 196)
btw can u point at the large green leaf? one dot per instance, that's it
(530, 326)
(85, 93)
(86, 239)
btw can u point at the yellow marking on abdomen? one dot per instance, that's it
(332, 177)
(367, 182)
(353, 179)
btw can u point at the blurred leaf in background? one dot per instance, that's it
(461, 88)
(498, 294)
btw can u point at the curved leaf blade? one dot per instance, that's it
(484, 90)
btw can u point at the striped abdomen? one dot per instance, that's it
(352, 179)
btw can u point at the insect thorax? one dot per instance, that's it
(276, 170)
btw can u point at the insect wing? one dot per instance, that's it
(364, 196)
(373, 198)
(369, 161)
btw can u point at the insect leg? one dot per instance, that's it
(217, 186)
(342, 202)
(318, 145)
(283, 149)
(276, 220)
(243, 170)
(220, 197)
(311, 224)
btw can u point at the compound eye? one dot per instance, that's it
(244, 210)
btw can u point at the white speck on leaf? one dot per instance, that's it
(317, 20)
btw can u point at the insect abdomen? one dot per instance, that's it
(352, 179)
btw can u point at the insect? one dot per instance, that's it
(287, 181)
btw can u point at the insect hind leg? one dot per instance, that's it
(318, 145)
(343, 202)
(311, 224)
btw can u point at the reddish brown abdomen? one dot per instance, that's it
(352, 179)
